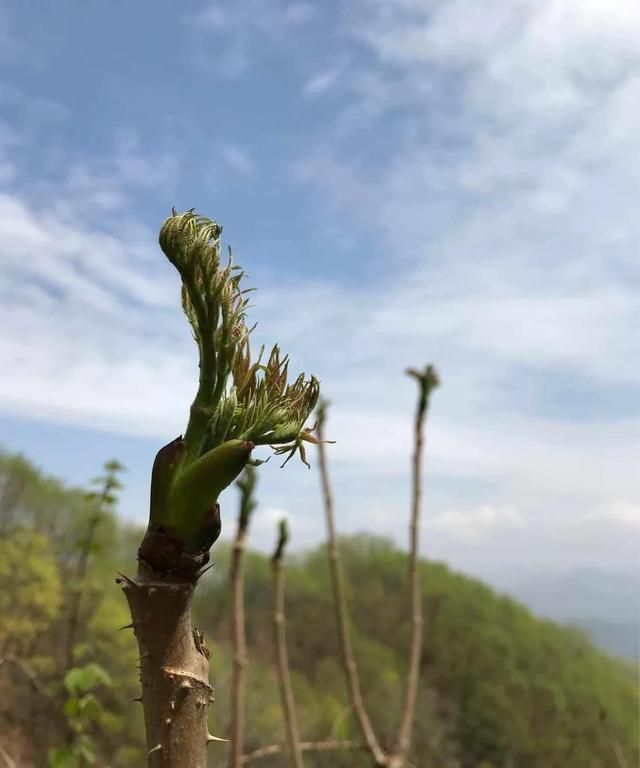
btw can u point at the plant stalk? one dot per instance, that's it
(282, 656)
(342, 617)
(174, 669)
(427, 381)
(239, 641)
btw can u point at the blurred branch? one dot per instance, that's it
(18, 664)
(282, 657)
(51, 701)
(103, 499)
(246, 484)
(305, 746)
(427, 381)
(340, 603)
(7, 758)
(617, 751)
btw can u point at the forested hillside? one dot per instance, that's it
(499, 687)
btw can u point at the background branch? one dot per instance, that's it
(246, 484)
(9, 763)
(14, 661)
(102, 500)
(340, 604)
(282, 657)
(427, 382)
(305, 746)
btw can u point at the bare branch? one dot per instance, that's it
(8, 761)
(26, 672)
(427, 382)
(340, 603)
(239, 640)
(619, 754)
(102, 500)
(282, 656)
(305, 746)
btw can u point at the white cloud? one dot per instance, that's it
(240, 28)
(8, 44)
(507, 204)
(503, 191)
(296, 14)
(237, 159)
(624, 512)
(322, 82)
(92, 338)
(474, 523)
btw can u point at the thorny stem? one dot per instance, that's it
(174, 670)
(237, 405)
(282, 656)
(340, 603)
(427, 382)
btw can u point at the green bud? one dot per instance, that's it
(165, 466)
(195, 491)
(184, 237)
(283, 538)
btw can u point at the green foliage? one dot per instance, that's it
(30, 589)
(84, 712)
(83, 679)
(499, 687)
(44, 530)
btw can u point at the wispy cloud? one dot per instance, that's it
(237, 159)
(494, 174)
(241, 27)
(322, 82)
(624, 512)
(295, 14)
(472, 524)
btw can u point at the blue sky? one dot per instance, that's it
(404, 181)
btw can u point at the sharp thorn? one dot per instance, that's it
(157, 748)
(202, 571)
(211, 738)
(130, 582)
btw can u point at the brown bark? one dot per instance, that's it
(174, 660)
(342, 617)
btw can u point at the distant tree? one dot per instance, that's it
(30, 589)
